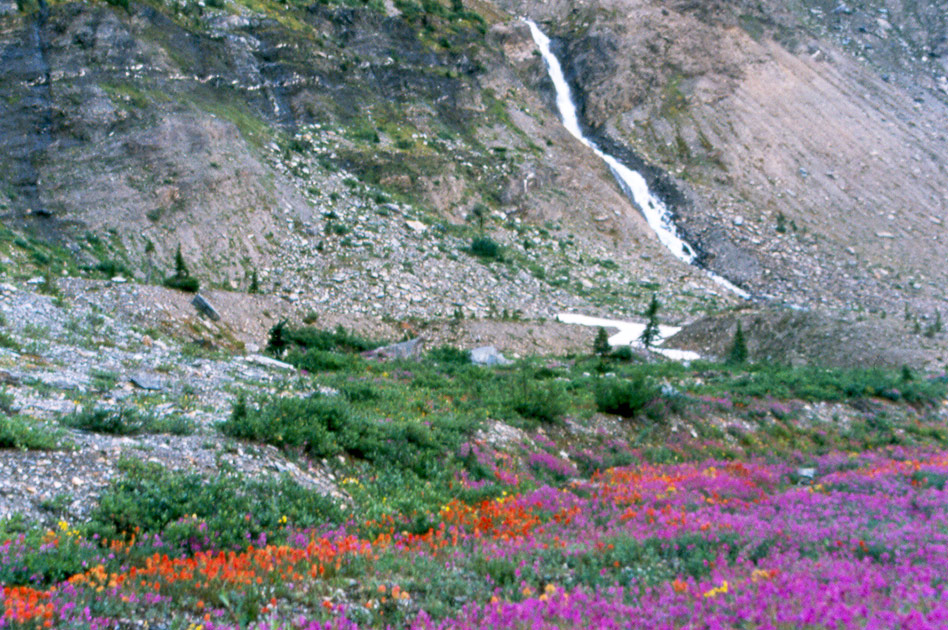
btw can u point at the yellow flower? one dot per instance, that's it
(720, 590)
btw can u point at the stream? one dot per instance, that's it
(634, 186)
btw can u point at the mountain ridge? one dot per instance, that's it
(310, 144)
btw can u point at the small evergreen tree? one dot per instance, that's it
(181, 279)
(650, 334)
(254, 284)
(907, 374)
(935, 327)
(180, 268)
(737, 354)
(601, 343)
(276, 344)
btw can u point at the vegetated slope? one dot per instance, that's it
(815, 175)
(364, 493)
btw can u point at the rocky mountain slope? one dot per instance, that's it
(348, 154)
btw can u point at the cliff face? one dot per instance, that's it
(160, 126)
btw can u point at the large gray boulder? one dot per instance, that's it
(403, 350)
(488, 355)
(146, 381)
(204, 307)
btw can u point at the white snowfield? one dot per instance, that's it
(629, 333)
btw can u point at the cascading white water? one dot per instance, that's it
(632, 183)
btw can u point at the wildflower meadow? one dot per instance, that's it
(710, 544)
(501, 498)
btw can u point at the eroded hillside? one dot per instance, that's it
(348, 156)
(809, 173)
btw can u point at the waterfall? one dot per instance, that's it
(632, 183)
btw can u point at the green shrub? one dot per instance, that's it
(187, 284)
(322, 361)
(193, 512)
(121, 421)
(306, 423)
(18, 432)
(829, 384)
(433, 7)
(6, 341)
(126, 421)
(172, 425)
(626, 398)
(112, 268)
(283, 337)
(103, 380)
(485, 247)
(6, 403)
(545, 401)
(359, 392)
(450, 354)
(324, 427)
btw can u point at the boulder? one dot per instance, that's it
(144, 381)
(404, 350)
(488, 355)
(204, 307)
(263, 361)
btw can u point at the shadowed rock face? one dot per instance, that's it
(26, 115)
(133, 122)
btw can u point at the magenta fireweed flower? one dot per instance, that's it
(714, 544)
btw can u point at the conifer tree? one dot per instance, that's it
(650, 334)
(181, 279)
(737, 354)
(601, 343)
(254, 283)
(180, 268)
